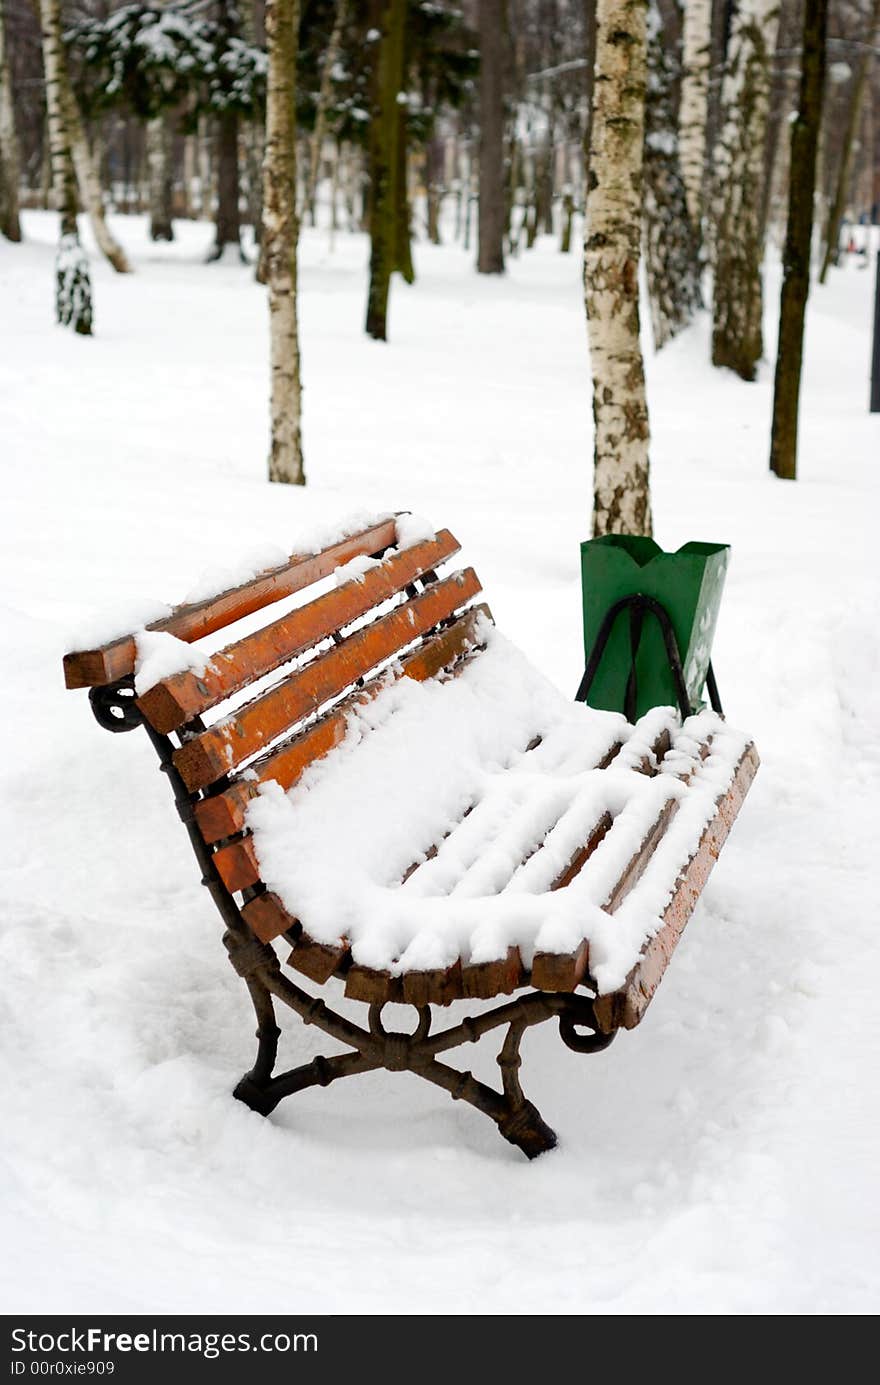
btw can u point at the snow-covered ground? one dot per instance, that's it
(721, 1158)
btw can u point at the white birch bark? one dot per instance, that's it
(611, 271)
(694, 107)
(671, 256)
(87, 178)
(280, 230)
(73, 293)
(10, 225)
(737, 339)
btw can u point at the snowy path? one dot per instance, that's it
(722, 1158)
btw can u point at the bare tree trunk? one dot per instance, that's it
(434, 171)
(10, 225)
(791, 17)
(159, 168)
(799, 234)
(611, 271)
(73, 289)
(737, 339)
(492, 211)
(844, 169)
(402, 237)
(671, 256)
(384, 154)
(331, 58)
(543, 187)
(227, 222)
(280, 229)
(590, 57)
(694, 106)
(567, 209)
(88, 182)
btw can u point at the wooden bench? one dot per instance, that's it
(580, 822)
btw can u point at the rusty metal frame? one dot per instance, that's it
(257, 963)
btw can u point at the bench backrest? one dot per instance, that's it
(311, 665)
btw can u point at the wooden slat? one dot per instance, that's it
(626, 1007)
(267, 917)
(565, 971)
(317, 961)
(375, 987)
(553, 971)
(223, 815)
(88, 668)
(178, 699)
(207, 757)
(482, 980)
(438, 987)
(238, 865)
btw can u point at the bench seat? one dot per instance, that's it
(374, 776)
(473, 834)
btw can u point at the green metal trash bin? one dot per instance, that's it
(687, 584)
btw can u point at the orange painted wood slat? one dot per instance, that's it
(626, 1007)
(482, 980)
(207, 757)
(317, 961)
(108, 663)
(223, 814)
(238, 865)
(438, 987)
(267, 917)
(178, 699)
(374, 987)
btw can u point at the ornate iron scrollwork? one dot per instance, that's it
(114, 706)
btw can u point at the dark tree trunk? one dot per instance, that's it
(228, 222)
(590, 56)
(544, 187)
(10, 225)
(434, 160)
(799, 232)
(841, 188)
(402, 244)
(493, 212)
(384, 159)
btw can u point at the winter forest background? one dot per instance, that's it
(478, 261)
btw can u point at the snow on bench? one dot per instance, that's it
(444, 825)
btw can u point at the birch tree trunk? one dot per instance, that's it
(694, 107)
(671, 255)
(798, 237)
(844, 170)
(737, 339)
(280, 229)
(159, 169)
(331, 58)
(73, 289)
(87, 179)
(385, 161)
(10, 225)
(492, 209)
(611, 271)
